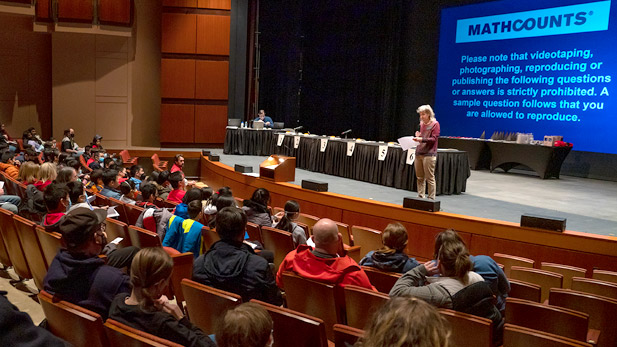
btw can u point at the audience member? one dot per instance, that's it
(6, 138)
(233, 266)
(47, 174)
(9, 202)
(184, 235)
(57, 201)
(96, 142)
(291, 213)
(178, 164)
(148, 195)
(211, 203)
(323, 264)
(51, 155)
(137, 175)
(256, 208)
(32, 141)
(122, 173)
(194, 194)
(68, 143)
(206, 194)
(77, 197)
(28, 173)
(391, 257)
(87, 154)
(163, 184)
(127, 188)
(247, 325)
(483, 265)
(406, 321)
(148, 309)
(96, 181)
(110, 184)
(8, 165)
(77, 274)
(177, 183)
(221, 203)
(96, 161)
(66, 175)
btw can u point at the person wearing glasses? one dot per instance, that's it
(77, 274)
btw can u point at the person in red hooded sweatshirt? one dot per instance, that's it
(57, 199)
(322, 263)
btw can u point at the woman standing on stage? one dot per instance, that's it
(426, 152)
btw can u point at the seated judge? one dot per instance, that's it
(262, 117)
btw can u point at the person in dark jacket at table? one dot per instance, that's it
(233, 266)
(391, 257)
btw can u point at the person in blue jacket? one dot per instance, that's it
(262, 117)
(391, 257)
(184, 235)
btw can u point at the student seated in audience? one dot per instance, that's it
(206, 194)
(483, 265)
(221, 203)
(66, 174)
(96, 161)
(77, 196)
(127, 188)
(178, 164)
(6, 139)
(9, 202)
(291, 213)
(163, 184)
(147, 308)
(96, 142)
(57, 201)
(110, 184)
(184, 235)
(232, 265)
(256, 208)
(51, 155)
(391, 257)
(177, 183)
(211, 203)
(137, 175)
(122, 173)
(28, 172)
(68, 143)
(96, 181)
(87, 154)
(77, 274)
(148, 195)
(32, 141)
(323, 264)
(406, 321)
(8, 165)
(247, 325)
(47, 174)
(193, 194)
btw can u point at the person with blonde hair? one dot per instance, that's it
(47, 173)
(28, 172)
(247, 325)
(147, 309)
(406, 322)
(426, 151)
(391, 257)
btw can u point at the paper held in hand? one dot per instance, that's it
(407, 142)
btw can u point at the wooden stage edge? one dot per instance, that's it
(483, 236)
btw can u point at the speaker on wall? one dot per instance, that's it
(421, 204)
(543, 222)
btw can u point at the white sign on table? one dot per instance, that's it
(411, 156)
(280, 140)
(296, 141)
(323, 145)
(350, 148)
(383, 152)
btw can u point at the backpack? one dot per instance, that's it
(34, 202)
(478, 300)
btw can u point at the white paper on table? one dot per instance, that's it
(350, 148)
(323, 145)
(411, 157)
(383, 152)
(407, 142)
(111, 212)
(296, 141)
(252, 174)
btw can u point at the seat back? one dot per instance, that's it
(119, 334)
(603, 275)
(360, 304)
(525, 290)
(368, 239)
(119, 206)
(462, 324)
(206, 305)
(292, 328)
(114, 228)
(73, 323)
(589, 285)
(183, 268)
(101, 200)
(517, 336)
(157, 163)
(5, 259)
(601, 311)
(305, 228)
(208, 237)
(83, 163)
(254, 232)
(50, 242)
(26, 231)
(132, 213)
(510, 260)
(345, 233)
(346, 336)
(566, 270)
(308, 220)
(278, 241)
(545, 279)
(551, 319)
(382, 280)
(142, 238)
(13, 246)
(315, 299)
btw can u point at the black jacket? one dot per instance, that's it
(234, 267)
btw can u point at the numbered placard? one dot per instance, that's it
(296, 141)
(411, 156)
(383, 152)
(323, 145)
(350, 148)
(279, 141)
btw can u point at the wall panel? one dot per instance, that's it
(174, 118)
(214, 4)
(75, 11)
(213, 34)
(178, 33)
(115, 12)
(178, 78)
(180, 3)
(210, 123)
(212, 78)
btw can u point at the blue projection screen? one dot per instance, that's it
(541, 67)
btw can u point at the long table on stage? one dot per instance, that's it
(364, 164)
(546, 161)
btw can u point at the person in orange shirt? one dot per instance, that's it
(8, 165)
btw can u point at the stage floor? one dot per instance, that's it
(589, 205)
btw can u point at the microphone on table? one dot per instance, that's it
(346, 132)
(298, 128)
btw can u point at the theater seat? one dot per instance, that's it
(603, 275)
(589, 285)
(13, 246)
(346, 336)
(510, 260)
(566, 270)
(142, 238)
(368, 239)
(26, 230)
(360, 304)
(254, 232)
(183, 268)
(120, 334)
(308, 220)
(517, 336)
(208, 237)
(157, 164)
(545, 279)
(382, 280)
(525, 290)
(133, 212)
(206, 305)
(114, 229)
(292, 328)
(73, 323)
(127, 160)
(464, 324)
(278, 241)
(51, 242)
